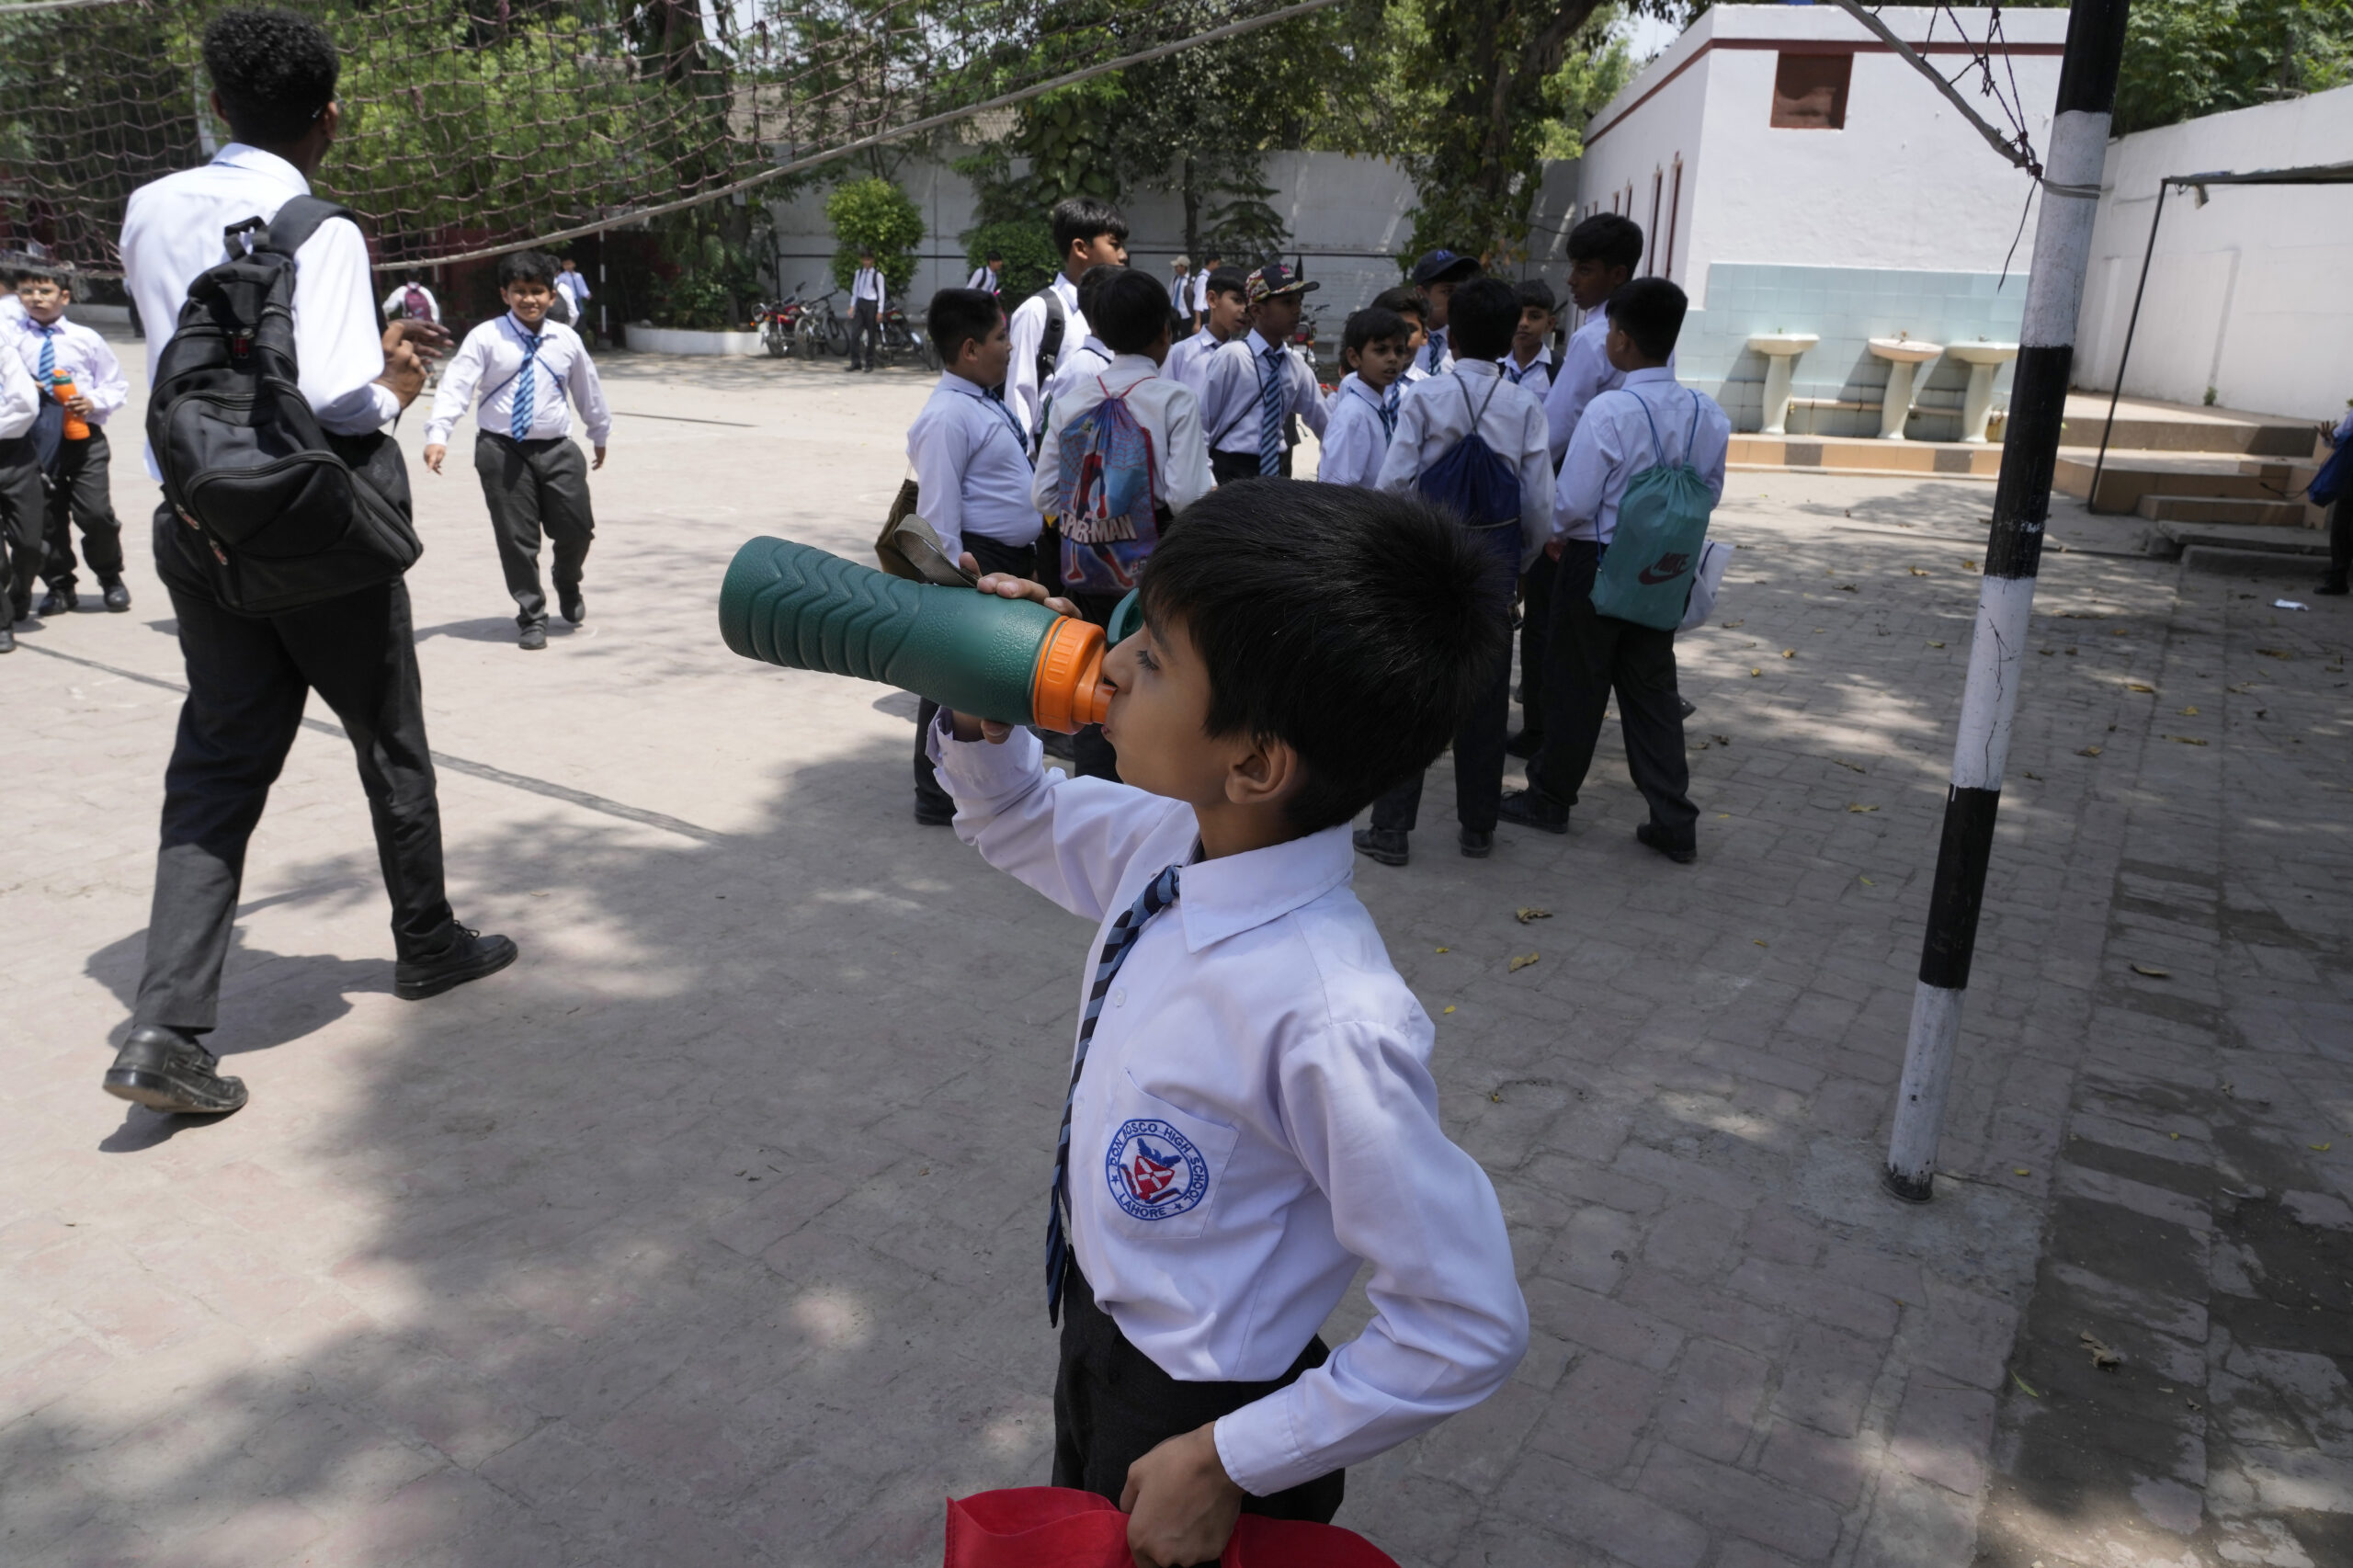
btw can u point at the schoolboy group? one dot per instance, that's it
(1250, 1118)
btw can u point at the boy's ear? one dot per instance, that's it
(1268, 774)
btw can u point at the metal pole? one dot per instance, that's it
(2091, 496)
(2006, 593)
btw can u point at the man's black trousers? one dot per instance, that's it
(1021, 559)
(24, 523)
(1113, 1406)
(865, 334)
(248, 679)
(1479, 740)
(2340, 538)
(1227, 467)
(534, 487)
(78, 497)
(1588, 655)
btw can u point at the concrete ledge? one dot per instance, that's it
(645, 339)
(2252, 563)
(1862, 455)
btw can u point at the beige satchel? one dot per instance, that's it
(907, 546)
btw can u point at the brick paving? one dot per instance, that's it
(704, 1235)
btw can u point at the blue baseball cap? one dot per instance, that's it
(1444, 266)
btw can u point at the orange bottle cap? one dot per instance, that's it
(1068, 693)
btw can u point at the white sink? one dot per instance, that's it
(1780, 350)
(1902, 354)
(1983, 359)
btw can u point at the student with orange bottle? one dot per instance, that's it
(81, 384)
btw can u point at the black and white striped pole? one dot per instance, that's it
(2071, 180)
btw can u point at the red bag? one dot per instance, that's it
(1054, 1526)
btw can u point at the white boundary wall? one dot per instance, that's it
(2251, 294)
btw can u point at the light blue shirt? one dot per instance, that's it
(971, 468)
(1353, 439)
(1614, 443)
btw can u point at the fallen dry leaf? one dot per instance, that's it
(1858, 806)
(1721, 740)
(2186, 739)
(2020, 1170)
(1869, 883)
(1789, 653)
(1758, 940)
(1969, 566)
(1915, 571)
(2089, 751)
(2136, 686)
(1733, 625)
(2189, 712)
(1522, 962)
(2153, 972)
(1936, 645)
(1755, 671)
(1450, 1007)
(1531, 913)
(2322, 1148)
(2022, 1382)
(2275, 653)
(2107, 1360)
(1850, 766)
(1445, 949)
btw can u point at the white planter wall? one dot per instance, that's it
(673, 340)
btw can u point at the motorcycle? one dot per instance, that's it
(779, 323)
(900, 338)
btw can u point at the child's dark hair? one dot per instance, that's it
(1534, 292)
(1090, 284)
(275, 71)
(527, 267)
(1353, 625)
(1129, 312)
(1650, 311)
(1373, 324)
(959, 317)
(1083, 218)
(1609, 239)
(1401, 300)
(1230, 283)
(1484, 314)
(42, 272)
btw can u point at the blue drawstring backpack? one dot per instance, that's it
(1644, 574)
(1104, 491)
(2329, 483)
(1472, 479)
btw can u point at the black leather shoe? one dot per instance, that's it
(1650, 837)
(2331, 586)
(1529, 809)
(8, 641)
(1386, 845)
(117, 597)
(469, 956)
(930, 815)
(1525, 745)
(60, 601)
(1476, 846)
(575, 610)
(165, 1070)
(534, 637)
(1684, 703)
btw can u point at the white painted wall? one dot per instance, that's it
(2249, 294)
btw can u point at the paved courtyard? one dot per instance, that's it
(705, 1236)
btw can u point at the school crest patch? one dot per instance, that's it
(1154, 1171)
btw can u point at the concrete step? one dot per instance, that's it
(2244, 539)
(2126, 477)
(2162, 509)
(1853, 454)
(2146, 425)
(2228, 563)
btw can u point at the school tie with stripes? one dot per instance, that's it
(1389, 413)
(1116, 944)
(48, 358)
(518, 423)
(1270, 413)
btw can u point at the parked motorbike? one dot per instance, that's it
(779, 323)
(902, 339)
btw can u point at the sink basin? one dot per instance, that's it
(1904, 355)
(1780, 350)
(1983, 359)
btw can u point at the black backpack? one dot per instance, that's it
(284, 515)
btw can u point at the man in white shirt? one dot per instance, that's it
(22, 512)
(80, 490)
(1212, 265)
(532, 478)
(273, 78)
(1225, 312)
(1604, 250)
(1048, 326)
(1436, 276)
(573, 284)
(986, 277)
(1256, 384)
(1647, 422)
(1093, 353)
(1180, 296)
(866, 293)
(412, 301)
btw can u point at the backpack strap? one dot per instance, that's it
(1049, 340)
(297, 220)
(1691, 437)
(1658, 452)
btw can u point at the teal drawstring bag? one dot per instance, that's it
(1644, 574)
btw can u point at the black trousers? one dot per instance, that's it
(865, 332)
(24, 523)
(1021, 559)
(1587, 656)
(247, 678)
(1478, 739)
(536, 487)
(1227, 467)
(2340, 538)
(79, 497)
(1535, 626)
(1113, 1406)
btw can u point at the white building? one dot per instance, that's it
(1795, 175)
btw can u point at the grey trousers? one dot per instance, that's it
(535, 487)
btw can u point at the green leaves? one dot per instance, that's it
(874, 214)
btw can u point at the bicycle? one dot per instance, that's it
(900, 338)
(820, 331)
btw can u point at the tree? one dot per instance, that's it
(874, 214)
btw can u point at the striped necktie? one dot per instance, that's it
(1270, 412)
(518, 423)
(1116, 944)
(47, 358)
(1389, 413)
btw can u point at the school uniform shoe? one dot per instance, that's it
(1650, 837)
(7, 640)
(1386, 845)
(60, 601)
(165, 1070)
(575, 610)
(534, 637)
(2331, 586)
(469, 956)
(1530, 808)
(1476, 846)
(1524, 745)
(117, 597)
(1685, 704)
(930, 815)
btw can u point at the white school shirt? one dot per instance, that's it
(1436, 415)
(983, 277)
(19, 399)
(1166, 409)
(574, 285)
(1180, 293)
(12, 309)
(492, 358)
(1536, 376)
(398, 300)
(1202, 291)
(1232, 382)
(1258, 1038)
(971, 463)
(1355, 440)
(866, 284)
(2344, 431)
(82, 354)
(1189, 361)
(171, 235)
(1613, 443)
(1584, 373)
(1027, 329)
(1090, 359)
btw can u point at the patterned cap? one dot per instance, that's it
(1443, 267)
(1274, 278)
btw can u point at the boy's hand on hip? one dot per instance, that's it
(1181, 1507)
(434, 452)
(599, 461)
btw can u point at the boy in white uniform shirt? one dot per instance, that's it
(80, 494)
(1647, 421)
(1364, 409)
(1435, 419)
(971, 463)
(1251, 1117)
(1225, 308)
(22, 512)
(532, 476)
(1530, 363)
(1048, 326)
(1436, 278)
(1256, 383)
(1092, 354)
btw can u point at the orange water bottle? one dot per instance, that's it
(76, 427)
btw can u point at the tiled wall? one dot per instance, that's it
(1845, 305)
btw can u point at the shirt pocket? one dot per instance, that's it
(1160, 1167)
